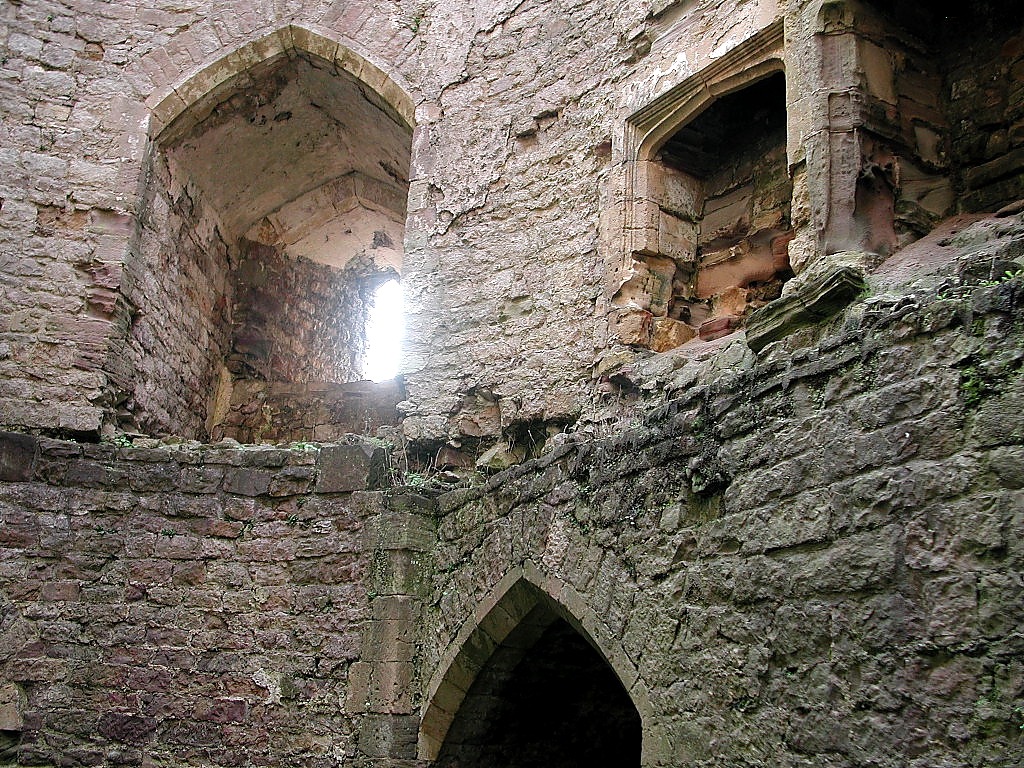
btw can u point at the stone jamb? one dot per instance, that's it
(832, 127)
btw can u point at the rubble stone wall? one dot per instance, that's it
(807, 555)
(908, 153)
(295, 321)
(811, 557)
(177, 605)
(514, 243)
(71, 158)
(180, 290)
(984, 87)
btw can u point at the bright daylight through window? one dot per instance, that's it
(384, 329)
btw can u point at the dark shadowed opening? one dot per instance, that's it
(545, 698)
(751, 121)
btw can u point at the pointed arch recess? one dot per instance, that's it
(647, 129)
(522, 590)
(759, 56)
(192, 94)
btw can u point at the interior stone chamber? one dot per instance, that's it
(708, 443)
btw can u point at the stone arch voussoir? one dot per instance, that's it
(520, 591)
(171, 103)
(759, 57)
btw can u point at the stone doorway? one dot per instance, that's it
(545, 697)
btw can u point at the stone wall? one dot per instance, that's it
(942, 98)
(906, 184)
(812, 554)
(933, 93)
(180, 290)
(808, 557)
(174, 604)
(202, 313)
(70, 163)
(60, 273)
(985, 81)
(809, 554)
(516, 202)
(296, 321)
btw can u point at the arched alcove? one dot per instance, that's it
(524, 646)
(710, 226)
(275, 206)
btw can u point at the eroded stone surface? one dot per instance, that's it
(806, 555)
(775, 524)
(723, 199)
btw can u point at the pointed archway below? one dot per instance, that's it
(528, 619)
(545, 699)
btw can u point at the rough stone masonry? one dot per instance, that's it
(708, 448)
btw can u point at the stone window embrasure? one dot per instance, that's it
(276, 207)
(707, 219)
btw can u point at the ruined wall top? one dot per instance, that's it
(532, 188)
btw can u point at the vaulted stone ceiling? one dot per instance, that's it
(302, 157)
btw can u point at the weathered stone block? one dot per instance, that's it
(247, 482)
(500, 457)
(17, 453)
(12, 703)
(1008, 464)
(126, 727)
(632, 326)
(347, 468)
(669, 334)
(291, 481)
(812, 303)
(677, 238)
(717, 327)
(389, 736)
